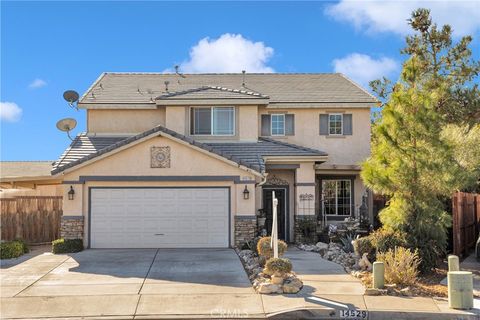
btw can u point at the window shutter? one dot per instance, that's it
(347, 124)
(265, 131)
(289, 125)
(324, 124)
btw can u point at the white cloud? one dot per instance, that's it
(37, 83)
(362, 68)
(392, 15)
(10, 111)
(228, 53)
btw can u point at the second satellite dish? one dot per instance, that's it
(66, 125)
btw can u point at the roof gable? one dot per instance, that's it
(211, 92)
(81, 151)
(246, 155)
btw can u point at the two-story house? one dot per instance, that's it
(172, 160)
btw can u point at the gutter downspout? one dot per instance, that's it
(264, 180)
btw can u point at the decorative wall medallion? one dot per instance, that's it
(160, 157)
(275, 181)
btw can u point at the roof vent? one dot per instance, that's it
(177, 72)
(243, 78)
(166, 85)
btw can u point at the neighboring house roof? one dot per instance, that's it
(25, 172)
(284, 90)
(247, 154)
(14, 169)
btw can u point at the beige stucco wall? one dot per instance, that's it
(104, 121)
(247, 123)
(176, 119)
(343, 150)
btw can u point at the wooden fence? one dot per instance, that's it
(466, 221)
(35, 219)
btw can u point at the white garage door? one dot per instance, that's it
(159, 217)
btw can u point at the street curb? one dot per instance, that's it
(333, 314)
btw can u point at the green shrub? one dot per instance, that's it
(67, 245)
(264, 249)
(384, 240)
(24, 245)
(401, 265)
(278, 266)
(11, 249)
(364, 245)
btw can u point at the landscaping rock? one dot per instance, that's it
(266, 288)
(374, 292)
(321, 247)
(406, 292)
(292, 285)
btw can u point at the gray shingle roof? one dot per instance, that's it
(253, 152)
(143, 88)
(248, 154)
(83, 146)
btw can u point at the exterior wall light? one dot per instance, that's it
(246, 193)
(71, 193)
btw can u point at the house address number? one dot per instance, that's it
(353, 314)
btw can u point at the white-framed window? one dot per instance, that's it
(335, 124)
(278, 125)
(337, 197)
(215, 121)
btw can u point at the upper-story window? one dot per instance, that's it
(335, 124)
(278, 124)
(216, 121)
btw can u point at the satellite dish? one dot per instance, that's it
(66, 125)
(71, 97)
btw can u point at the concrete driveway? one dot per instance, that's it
(145, 283)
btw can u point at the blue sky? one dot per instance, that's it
(49, 47)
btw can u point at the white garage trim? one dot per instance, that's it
(90, 189)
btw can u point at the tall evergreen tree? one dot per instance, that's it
(411, 161)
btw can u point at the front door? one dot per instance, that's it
(280, 194)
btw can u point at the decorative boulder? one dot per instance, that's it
(364, 263)
(292, 285)
(266, 288)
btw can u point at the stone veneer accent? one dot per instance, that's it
(299, 231)
(245, 229)
(71, 227)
